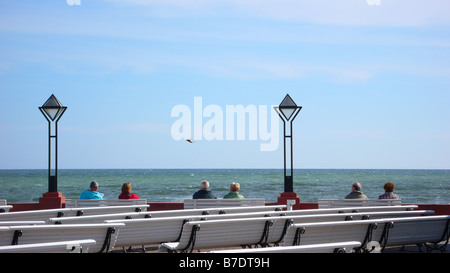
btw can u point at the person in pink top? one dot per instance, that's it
(389, 192)
(126, 192)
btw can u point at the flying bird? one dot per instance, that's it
(190, 140)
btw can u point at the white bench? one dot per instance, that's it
(421, 231)
(234, 230)
(212, 203)
(104, 234)
(340, 247)
(43, 215)
(223, 233)
(377, 232)
(77, 246)
(336, 203)
(77, 203)
(279, 228)
(147, 231)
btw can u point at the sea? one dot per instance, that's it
(175, 185)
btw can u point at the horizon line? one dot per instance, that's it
(37, 169)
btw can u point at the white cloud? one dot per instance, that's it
(342, 12)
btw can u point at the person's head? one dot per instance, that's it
(93, 186)
(234, 187)
(389, 187)
(126, 188)
(356, 186)
(204, 185)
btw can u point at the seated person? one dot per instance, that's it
(92, 193)
(126, 192)
(389, 192)
(234, 192)
(356, 192)
(204, 192)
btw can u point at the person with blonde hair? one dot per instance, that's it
(389, 192)
(234, 192)
(126, 192)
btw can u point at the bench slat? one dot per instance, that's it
(74, 246)
(313, 248)
(77, 203)
(211, 203)
(43, 215)
(335, 203)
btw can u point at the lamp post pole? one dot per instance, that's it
(288, 111)
(52, 111)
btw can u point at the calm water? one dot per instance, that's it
(413, 186)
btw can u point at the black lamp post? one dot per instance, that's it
(288, 110)
(52, 111)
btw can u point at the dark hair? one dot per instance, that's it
(94, 184)
(389, 187)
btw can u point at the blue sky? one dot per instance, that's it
(373, 80)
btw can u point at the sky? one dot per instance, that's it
(139, 77)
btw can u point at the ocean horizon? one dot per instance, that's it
(175, 185)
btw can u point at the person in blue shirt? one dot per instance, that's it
(92, 193)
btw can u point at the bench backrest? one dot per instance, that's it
(417, 230)
(224, 233)
(351, 209)
(50, 233)
(279, 228)
(77, 203)
(146, 231)
(216, 210)
(212, 203)
(138, 232)
(328, 232)
(84, 211)
(336, 203)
